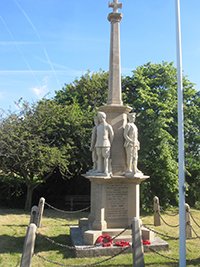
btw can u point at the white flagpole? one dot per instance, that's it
(181, 159)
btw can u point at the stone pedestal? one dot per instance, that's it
(115, 201)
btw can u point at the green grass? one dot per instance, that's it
(13, 225)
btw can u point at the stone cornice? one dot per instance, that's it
(115, 17)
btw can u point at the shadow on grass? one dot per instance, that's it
(170, 263)
(11, 244)
(15, 225)
(195, 262)
(69, 215)
(4, 212)
(42, 244)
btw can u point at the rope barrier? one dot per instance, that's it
(65, 211)
(164, 256)
(83, 265)
(167, 223)
(72, 247)
(169, 214)
(197, 236)
(164, 235)
(56, 243)
(194, 219)
(113, 238)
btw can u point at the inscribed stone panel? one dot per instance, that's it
(116, 201)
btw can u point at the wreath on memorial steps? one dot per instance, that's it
(106, 240)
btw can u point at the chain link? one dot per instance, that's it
(113, 238)
(72, 247)
(65, 211)
(166, 222)
(194, 219)
(164, 256)
(83, 265)
(164, 235)
(57, 263)
(197, 236)
(56, 243)
(169, 214)
(66, 246)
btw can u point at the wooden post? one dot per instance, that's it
(138, 253)
(188, 222)
(29, 245)
(156, 208)
(34, 215)
(40, 211)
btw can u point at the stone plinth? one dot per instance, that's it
(115, 201)
(83, 250)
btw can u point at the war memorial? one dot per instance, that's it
(115, 178)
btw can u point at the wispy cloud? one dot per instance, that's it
(41, 91)
(18, 43)
(39, 38)
(68, 72)
(19, 49)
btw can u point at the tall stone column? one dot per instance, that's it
(114, 91)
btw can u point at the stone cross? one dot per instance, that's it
(115, 5)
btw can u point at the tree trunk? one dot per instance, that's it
(29, 195)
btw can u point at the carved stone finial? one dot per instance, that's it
(115, 5)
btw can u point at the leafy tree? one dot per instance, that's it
(68, 125)
(36, 142)
(192, 148)
(152, 91)
(90, 91)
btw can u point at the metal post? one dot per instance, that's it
(138, 253)
(181, 160)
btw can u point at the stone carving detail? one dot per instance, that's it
(103, 139)
(93, 148)
(132, 145)
(115, 5)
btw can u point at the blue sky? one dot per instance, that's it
(47, 43)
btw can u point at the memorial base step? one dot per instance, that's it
(82, 250)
